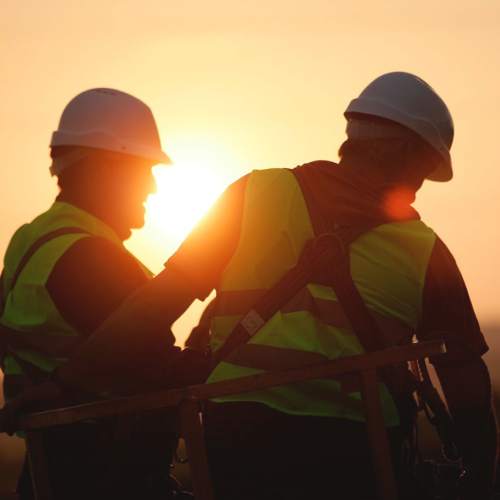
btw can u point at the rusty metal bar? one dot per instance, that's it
(377, 435)
(195, 446)
(188, 398)
(203, 392)
(38, 464)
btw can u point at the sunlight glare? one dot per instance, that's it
(185, 193)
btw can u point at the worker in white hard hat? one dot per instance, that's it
(394, 279)
(67, 271)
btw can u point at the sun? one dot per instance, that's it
(185, 193)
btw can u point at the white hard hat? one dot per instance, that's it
(406, 99)
(110, 120)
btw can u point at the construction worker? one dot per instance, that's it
(308, 440)
(67, 270)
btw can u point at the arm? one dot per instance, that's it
(135, 335)
(137, 331)
(91, 280)
(447, 307)
(200, 334)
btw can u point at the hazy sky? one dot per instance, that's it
(236, 86)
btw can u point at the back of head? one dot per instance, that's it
(397, 120)
(391, 152)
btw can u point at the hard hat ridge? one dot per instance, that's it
(110, 120)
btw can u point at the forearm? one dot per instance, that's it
(462, 384)
(469, 402)
(137, 334)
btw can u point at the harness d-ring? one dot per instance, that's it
(338, 241)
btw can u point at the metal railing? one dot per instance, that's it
(356, 374)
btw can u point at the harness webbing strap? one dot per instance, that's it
(318, 222)
(359, 316)
(315, 257)
(362, 322)
(354, 307)
(327, 249)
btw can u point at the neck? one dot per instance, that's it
(98, 210)
(411, 180)
(360, 166)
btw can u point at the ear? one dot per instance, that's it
(104, 170)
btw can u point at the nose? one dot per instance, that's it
(152, 186)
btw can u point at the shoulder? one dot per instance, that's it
(97, 252)
(442, 264)
(446, 305)
(91, 279)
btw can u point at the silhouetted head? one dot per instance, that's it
(102, 153)
(405, 160)
(401, 127)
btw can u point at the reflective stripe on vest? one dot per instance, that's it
(31, 324)
(388, 265)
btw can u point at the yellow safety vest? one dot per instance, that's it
(388, 266)
(46, 338)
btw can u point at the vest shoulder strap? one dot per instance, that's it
(36, 245)
(6, 332)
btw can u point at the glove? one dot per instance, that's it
(199, 337)
(36, 398)
(478, 443)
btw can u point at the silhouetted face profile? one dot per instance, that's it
(129, 182)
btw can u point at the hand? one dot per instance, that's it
(38, 397)
(199, 337)
(478, 440)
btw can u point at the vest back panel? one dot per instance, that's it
(388, 266)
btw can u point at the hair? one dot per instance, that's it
(398, 159)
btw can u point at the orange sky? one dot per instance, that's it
(241, 85)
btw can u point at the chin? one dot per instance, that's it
(137, 224)
(135, 219)
(131, 217)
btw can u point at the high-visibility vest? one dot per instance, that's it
(388, 266)
(44, 339)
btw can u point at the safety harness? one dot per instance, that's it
(326, 259)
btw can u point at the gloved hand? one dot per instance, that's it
(478, 442)
(38, 397)
(200, 334)
(467, 426)
(199, 337)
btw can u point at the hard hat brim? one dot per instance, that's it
(443, 173)
(105, 141)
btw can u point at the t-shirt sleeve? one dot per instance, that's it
(447, 306)
(91, 280)
(208, 249)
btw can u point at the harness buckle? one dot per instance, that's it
(331, 240)
(252, 322)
